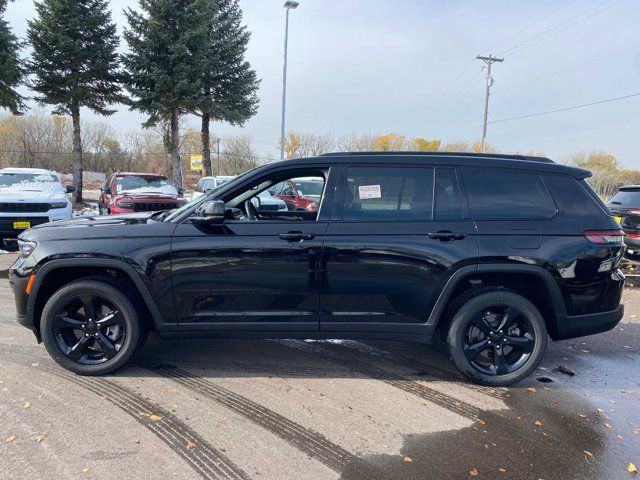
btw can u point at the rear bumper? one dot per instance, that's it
(583, 325)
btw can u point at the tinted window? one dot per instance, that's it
(388, 193)
(571, 197)
(626, 198)
(499, 194)
(447, 195)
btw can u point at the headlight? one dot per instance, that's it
(26, 247)
(125, 204)
(58, 205)
(313, 207)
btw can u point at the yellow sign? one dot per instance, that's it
(195, 162)
(21, 225)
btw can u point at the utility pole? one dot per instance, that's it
(488, 61)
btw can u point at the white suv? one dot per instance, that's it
(29, 197)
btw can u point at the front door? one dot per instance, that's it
(395, 239)
(259, 270)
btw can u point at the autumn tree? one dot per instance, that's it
(11, 68)
(74, 63)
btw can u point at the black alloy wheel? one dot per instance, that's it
(91, 326)
(496, 338)
(89, 329)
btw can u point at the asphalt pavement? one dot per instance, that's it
(248, 409)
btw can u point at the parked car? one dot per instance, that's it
(625, 207)
(494, 253)
(300, 194)
(30, 197)
(139, 192)
(265, 202)
(207, 184)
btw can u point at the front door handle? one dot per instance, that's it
(447, 235)
(296, 236)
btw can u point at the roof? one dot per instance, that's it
(478, 160)
(629, 187)
(139, 174)
(36, 171)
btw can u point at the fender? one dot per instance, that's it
(129, 270)
(459, 275)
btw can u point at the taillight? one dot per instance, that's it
(633, 235)
(604, 236)
(634, 212)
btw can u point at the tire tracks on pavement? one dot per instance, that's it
(312, 443)
(205, 459)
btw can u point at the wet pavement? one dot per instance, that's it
(319, 410)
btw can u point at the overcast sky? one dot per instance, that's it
(406, 66)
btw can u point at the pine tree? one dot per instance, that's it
(74, 63)
(228, 83)
(163, 63)
(11, 70)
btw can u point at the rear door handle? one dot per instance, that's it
(296, 236)
(446, 235)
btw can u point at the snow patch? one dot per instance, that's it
(166, 189)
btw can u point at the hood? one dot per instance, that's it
(141, 197)
(33, 196)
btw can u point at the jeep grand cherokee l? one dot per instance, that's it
(625, 207)
(494, 253)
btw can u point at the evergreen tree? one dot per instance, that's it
(11, 71)
(74, 63)
(166, 39)
(229, 85)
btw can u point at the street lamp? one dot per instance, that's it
(289, 5)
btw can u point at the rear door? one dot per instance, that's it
(397, 235)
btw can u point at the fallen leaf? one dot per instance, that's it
(587, 452)
(636, 431)
(40, 438)
(582, 415)
(26, 405)
(599, 410)
(85, 469)
(408, 458)
(538, 423)
(10, 438)
(532, 390)
(566, 370)
(191, 446)
(155, 418)
(631, 468)
(608, 425)
(473, 472)
(35, 364)
(482, 422)
(502, 470)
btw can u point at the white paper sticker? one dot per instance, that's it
(369, 191)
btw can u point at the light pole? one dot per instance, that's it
(289, 5)
(488, 62)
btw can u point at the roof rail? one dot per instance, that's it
(444, 154)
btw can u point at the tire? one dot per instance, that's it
(107, 297)
(497, 358)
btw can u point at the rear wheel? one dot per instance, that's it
(497, 338)
(91, 327)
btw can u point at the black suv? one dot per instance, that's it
(625, 207)
(494, 253)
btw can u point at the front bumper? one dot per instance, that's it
(18, 285)
(583, 325)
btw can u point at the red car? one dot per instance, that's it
(300, 194)
(139, 192)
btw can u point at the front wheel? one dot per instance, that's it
(497, 338)
(91, 327)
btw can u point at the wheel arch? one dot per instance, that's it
(531, 281)
(53, 270)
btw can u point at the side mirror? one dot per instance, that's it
(105, 189)
(180, 191)
(209, 212)
(70, 188)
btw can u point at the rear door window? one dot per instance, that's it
(388, 193)
(501, 194)
(447, 195)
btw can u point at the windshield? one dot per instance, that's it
(140, 184)
(34, 182)
(308, 188)
(627, 198)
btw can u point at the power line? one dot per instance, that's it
(551, 74)
(557, 28)
(566, 108)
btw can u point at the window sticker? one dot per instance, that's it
(369, 191)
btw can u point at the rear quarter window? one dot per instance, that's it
(507, 195)
(574, 197)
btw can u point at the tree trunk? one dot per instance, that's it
(176, 166)
(206, 145)
(77, 153)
